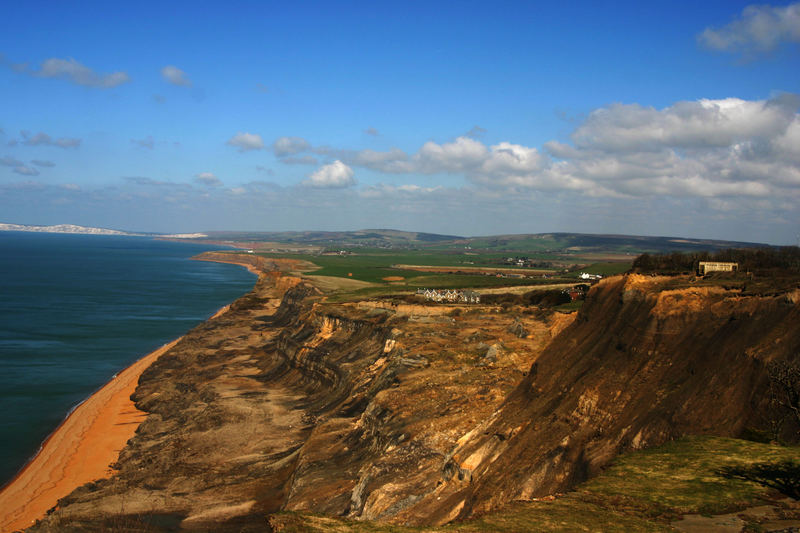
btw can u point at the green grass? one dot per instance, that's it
(570, 513)
(569, 307)
(459, 281)
(375, 265)
(608, 269)
(370, 268)
(681, 475)
(641, 492)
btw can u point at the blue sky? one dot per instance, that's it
(468, 118)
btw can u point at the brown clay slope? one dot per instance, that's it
(642, 364)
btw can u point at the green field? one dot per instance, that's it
(374, 266)
(371, 254)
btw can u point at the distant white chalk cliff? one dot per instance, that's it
(63, 228)
(72, 228)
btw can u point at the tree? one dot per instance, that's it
(783, 476)
(784, 378)
(783, 396)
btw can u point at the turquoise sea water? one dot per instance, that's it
(76, 309)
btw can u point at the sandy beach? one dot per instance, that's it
(80, 450)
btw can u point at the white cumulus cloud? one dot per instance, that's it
(246, 141)
(43, 139)
(728, 147)
(700, 124)
(708, 148)
(26, 171)
(334, 175)
(392, 161)
(463, 154)
(208, 179)
(175, 76)
(72, 71)
(290, 145)
(760, 28)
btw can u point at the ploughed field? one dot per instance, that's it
(294, 412)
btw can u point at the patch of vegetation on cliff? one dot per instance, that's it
(641, 492)
(685, 476)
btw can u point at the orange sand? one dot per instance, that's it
(79, 451)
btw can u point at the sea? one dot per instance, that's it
(77, 309)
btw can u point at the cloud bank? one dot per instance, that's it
(725, 148)
(468, 210)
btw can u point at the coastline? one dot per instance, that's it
(85, 444)
(80, 450)
(254, 264)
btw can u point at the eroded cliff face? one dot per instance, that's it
(647, 360)
(422, 415)
(287, 402)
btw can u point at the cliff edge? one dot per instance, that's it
(422, 414)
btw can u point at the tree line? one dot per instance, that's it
(783, 258)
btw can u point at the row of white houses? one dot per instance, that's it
(451, 296)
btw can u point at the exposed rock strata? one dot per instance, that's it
(647, 360)
(394, 413)
(287, 402)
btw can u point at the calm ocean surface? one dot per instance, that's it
(76, 309)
